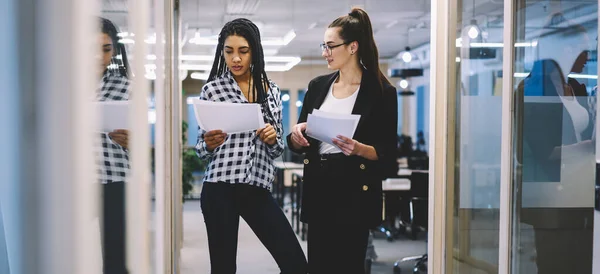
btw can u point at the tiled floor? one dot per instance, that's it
(253, 257)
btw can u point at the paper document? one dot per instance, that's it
(113, 115)
(228, 117)
(325, 126)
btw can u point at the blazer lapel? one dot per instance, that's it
(364, 100)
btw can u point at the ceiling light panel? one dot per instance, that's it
(242, 7)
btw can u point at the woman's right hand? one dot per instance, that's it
(214, 138)
(298, 140)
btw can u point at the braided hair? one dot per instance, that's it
(107, 27)
(244, 28)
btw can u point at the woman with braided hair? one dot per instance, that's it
(111, 150)
(240, 172)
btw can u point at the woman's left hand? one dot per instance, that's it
(347, 145)
(267, 134)
(120, 136)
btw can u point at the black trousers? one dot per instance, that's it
(113, 228)
(222, 206)
(337, 238)
(564, 239)
(334, 247)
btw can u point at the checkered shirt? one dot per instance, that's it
(112, 159)
(243, 158)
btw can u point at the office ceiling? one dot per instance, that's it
(396, 23)
(391, 20)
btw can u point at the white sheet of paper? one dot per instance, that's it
(325, 126)
(228, 117)
(113, 115)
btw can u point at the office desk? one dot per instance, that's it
(283, 179)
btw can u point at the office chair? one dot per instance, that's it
(397, 198)
(419, 194)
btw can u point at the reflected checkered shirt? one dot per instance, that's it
(112, 159)
(243, 157)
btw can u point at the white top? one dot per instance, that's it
(579, 115)
(340, 106)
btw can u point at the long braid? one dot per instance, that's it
(107, 27)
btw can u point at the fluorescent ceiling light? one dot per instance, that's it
(151, 40)
(496, 45)
(486, 45)
(126, 41)
(242, 7)
(312, 26)
(293, 61)
(571, 75)
(199, 40)
(212, 41)
(521, 74)
(196, 58)
(282, 59)
(200, 75)
(289, 62)
(287, 38)
(583, 76)
(152, 116)
(270, 52)
(391, 24)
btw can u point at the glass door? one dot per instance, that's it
(514, 152)
(554, 149)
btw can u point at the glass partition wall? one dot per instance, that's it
(514, 115)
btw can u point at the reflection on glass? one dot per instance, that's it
(554, 139)
(113, 162)
(476, 201)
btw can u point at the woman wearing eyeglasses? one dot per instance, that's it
(342, 197)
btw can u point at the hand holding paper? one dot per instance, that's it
(213, 139)
(228, 117)
(326, 126)
(267, 134)
(113, 115)
(348, 146)
(121, 137)
(298, 139)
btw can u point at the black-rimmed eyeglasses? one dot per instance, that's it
(329, 48)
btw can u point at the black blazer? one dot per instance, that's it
(377, 127)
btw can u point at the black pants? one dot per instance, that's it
(113, 228)
(336, 248)
(564, 239)
(224, 203)
(337, 237)
(564, 251)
